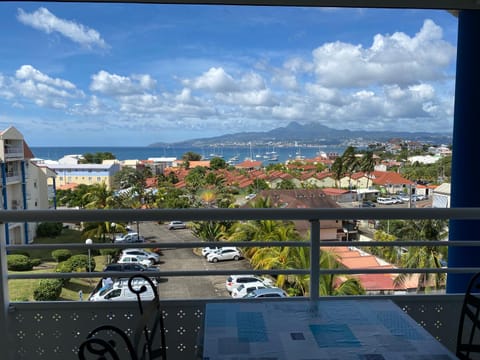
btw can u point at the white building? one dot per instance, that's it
(23, 185)
(441, 196)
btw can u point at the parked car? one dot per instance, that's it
(135, 259)
(385, 201)
(234, 281)
(224, 254)
(121, 292)
(250, 196)
(419, 197)
(174, 225)
(129, 267)
(397, 199)
(268, 292)
(404, 197)
(244, 289)
(131, 237)
(367, 204)
(207, 250)
(150, 255)
(210, 250)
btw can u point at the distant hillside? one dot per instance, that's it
(313, 134)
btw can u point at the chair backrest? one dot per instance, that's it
(468, 337)
(100, 341)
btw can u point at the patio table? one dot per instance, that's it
(366, 329)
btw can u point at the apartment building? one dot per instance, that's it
(23, 185)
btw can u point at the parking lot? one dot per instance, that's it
(187, 287)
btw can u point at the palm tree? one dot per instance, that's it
(209, 230)
(338, 169)
(419, 257)
(98, 197)
(367, 165)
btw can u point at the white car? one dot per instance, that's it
(385, 201)
(131, 237)
(150, 255)
(207, 250)
(226, 253)
(135, 259)
(244, 289)
(234, 281)
(250, 196)
(268, 292)
(174, 225)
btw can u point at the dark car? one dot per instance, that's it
(367, 204)
(128, 267)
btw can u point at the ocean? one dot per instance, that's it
(238, 154)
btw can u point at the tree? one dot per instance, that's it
(129, 177)
(96, 158)
(217, 163)
(258, 185)
(191, 156)
(210, 230)
(195, 178)
(367, 164)
(98, 196)
(338, 169)
(286, 184)
(419, 257)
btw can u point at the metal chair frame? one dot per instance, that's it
(140, 346)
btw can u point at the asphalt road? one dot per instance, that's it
(187, 287)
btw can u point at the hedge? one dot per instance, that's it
(19, 263)
(61, 255)
(48, 290)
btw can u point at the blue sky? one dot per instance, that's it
(136, 74)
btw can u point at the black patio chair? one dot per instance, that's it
(468, 338)
(110, 342)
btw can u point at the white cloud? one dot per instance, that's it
(44, 20)
(42, 89)
(395, 59)
(215, 79)
(113, 84)
(28, 72)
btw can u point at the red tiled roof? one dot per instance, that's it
(248, 164)
(334, 191)
(389, 177)
(70, 186)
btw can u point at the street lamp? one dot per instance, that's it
(89, 242)
(113, 226)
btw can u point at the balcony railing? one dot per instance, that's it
(54, 330)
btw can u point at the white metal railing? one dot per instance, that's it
(314, 216)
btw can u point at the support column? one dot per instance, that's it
(3, 170)
(466, 148)
(24, 199)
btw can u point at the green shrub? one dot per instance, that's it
(48, 290)
(65, 267)
(49, 229)
(19, 263)
(80, 263)
(61, 255)
(36, 262)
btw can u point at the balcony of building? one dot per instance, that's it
(13, 149)
(55, 330)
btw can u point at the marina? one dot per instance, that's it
(231, 154)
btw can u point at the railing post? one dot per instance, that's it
(5, 344)
(314, 259)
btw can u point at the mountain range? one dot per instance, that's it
(313, 134)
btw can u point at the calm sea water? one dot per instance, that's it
(143, 153)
